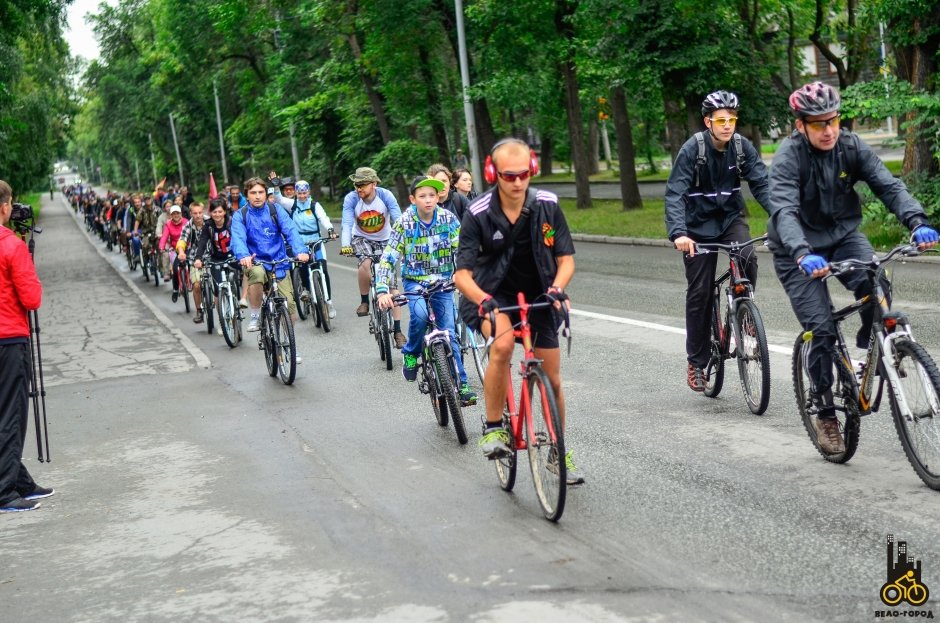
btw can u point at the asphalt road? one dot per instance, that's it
(216, 493)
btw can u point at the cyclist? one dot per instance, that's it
(259, 232)
(814, 218)
(146, 224)
(463, 182)
(313, 224)
(514, 239)
(368, 214)
(168, 239)
(704, 204)
(425, 240)
(449, 199)
(160, 226)
(216, 238)
(188, 240)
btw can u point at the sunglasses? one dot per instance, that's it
(724, 121)
(512, 177)
(819, 126)
(363, 184)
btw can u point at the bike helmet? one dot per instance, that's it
(815, 98)
(719, 100)
(287, 181)
(302, 186)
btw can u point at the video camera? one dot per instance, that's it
(21, 213)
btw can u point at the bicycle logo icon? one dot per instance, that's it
(903, 577)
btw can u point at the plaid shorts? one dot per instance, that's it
(372, 249)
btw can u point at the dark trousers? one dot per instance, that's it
(699, 297)
(14, 410)
(811, 304)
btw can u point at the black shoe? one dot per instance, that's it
(18, 505)
(38, 493)
(175, 296)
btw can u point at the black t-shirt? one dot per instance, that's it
(523, 274)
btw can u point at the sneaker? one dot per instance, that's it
(175, 296)
(298, 359)
(468, 397)
(18, 505)
(829, 435)
(400, 340)
(38, 493)
(363, 309)
(409, 367)
(198, 318)
(574, 475)
(243, 303)
(305, 296)
(166, 278)
(332, 312)
(253, 323)
(495, 443)
(696, 379)
(219, 330)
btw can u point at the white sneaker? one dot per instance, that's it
(243, 303)
(332, 313)
(219, 330)
(299, 359)
(253, 324)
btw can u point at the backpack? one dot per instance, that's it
(244, 212)
(700, 159)
(848, 146)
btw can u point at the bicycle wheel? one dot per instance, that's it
(303, 308)
(473, 342)
(919, 430)
(322, 309)
(266, 336)
(715, 370)
(155, 265)
(207, 305)
(845, 389)
(546, 445)
(228, 317)
(284, 345)
(438, 403)
(506, 465)
(444, 370)
(385, 338)
(753, 357)
(144, 268)
(184, 291)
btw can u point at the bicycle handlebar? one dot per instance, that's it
(444, 285)
(565, 332)
(713, 247)
(846, 266)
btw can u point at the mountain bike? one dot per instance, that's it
(316, 304)
(181, 278)
(439, 376)
(901, 364)
(535, 425)
(230, 314)
(276, 332)
(742, 323)
(380, 321)
(153, 260)
(207, 287)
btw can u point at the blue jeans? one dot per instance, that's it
(443, 303)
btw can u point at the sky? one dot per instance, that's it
(79, 36)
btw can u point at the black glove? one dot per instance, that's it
(487, 306)
(557, 294)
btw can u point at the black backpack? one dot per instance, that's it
(848, 147)
(244, 213)
(700, 159)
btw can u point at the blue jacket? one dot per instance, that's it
(263, 238)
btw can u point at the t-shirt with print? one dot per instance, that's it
(372, 220)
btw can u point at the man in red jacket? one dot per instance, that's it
(20, 291)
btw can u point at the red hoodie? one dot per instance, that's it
(20, 289)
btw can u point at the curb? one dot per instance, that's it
(202, 360)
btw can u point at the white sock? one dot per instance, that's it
(255, 313)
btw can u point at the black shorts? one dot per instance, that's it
(544, 323)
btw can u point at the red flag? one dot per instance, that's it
(213, 192)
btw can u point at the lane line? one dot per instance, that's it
(783, 350)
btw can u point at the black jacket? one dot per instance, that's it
(814, 203)
(486, 247)
(456, 203)
(707, 210)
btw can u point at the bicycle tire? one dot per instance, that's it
(184, 291)
(543, 437)
(444, 370)
(144, 269)
(385, 338)
(438, 404)
(297, 284)
(228, 317)
(155, 264)
(506, 464)
(285, 345)
(844, 386)
(715, 369)
(207, 306)
(753, 357)
(322, 308)
(266, 335)
(473, 341)
(919, 381)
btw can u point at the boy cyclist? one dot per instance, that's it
(425, 240)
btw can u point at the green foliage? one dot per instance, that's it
(403, 157)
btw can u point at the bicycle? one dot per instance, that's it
(538, 421)
(439, 376)
(900, 363)
(230, 314)
(130, 252)
(207, 287)
(276, 331)
(915, 593)
(472, 343)
(380, 321)
(743, 323)
(316, 303)
(181, 278)
(153, 261)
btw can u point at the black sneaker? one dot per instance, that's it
(175, 296)
(19, 505)
(38, 493)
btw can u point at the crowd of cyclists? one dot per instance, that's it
(515, 239)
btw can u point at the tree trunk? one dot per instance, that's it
(594, 139)
(629, 187)
(917, 65)
(435, 114)
(375, 98)
(676, 120)
(564, 10)
(486, 136)
(547, 157)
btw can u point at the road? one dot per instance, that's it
(215, 493)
